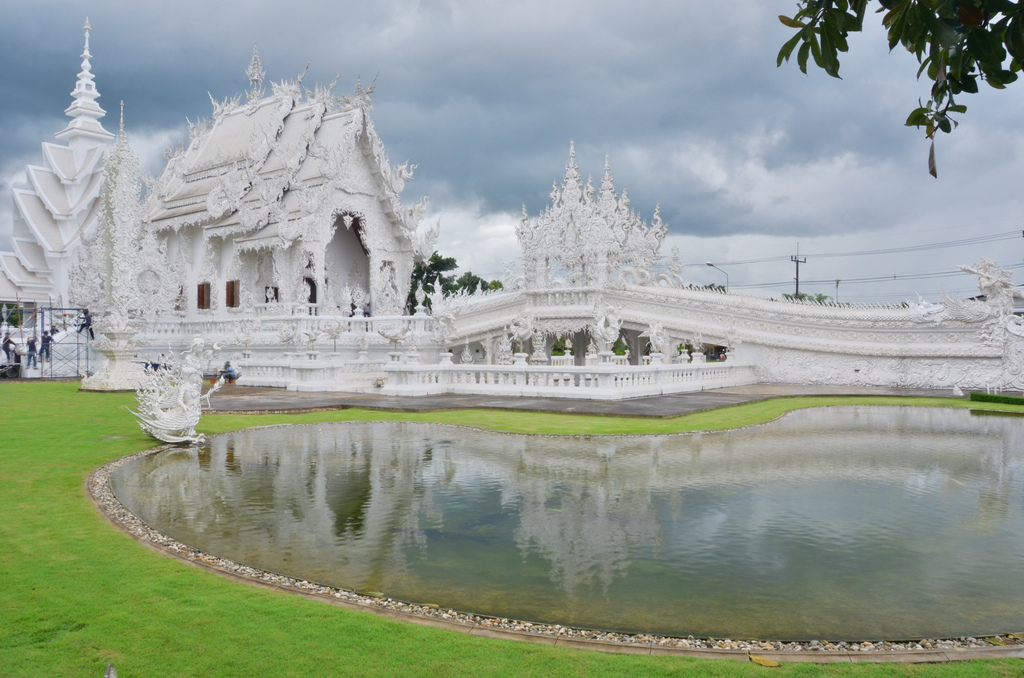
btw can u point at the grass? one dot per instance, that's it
(76, 593)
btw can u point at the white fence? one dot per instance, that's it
(312, 372)
(598, 382)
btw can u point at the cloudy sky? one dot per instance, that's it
(750, 163)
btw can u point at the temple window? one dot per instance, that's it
(203, 296)
(232, 294)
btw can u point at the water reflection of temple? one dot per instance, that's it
(361, 496)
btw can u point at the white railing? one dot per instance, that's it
(601, 382)
(584, 298)
(310, 371)
(225, 329)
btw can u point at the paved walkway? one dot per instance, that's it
(250, 399)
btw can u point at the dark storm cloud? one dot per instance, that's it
(684, 97)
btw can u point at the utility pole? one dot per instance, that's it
(797, 260)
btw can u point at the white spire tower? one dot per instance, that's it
(255, 73)
(85, 128)
(59, 205)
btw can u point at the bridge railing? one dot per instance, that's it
(602, 382)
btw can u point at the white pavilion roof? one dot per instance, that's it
(245, 169)
(9, 290)
(31, 255)
(19, 274)
(70, 166)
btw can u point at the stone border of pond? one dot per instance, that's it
(97, 487)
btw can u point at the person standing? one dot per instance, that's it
(85, 323)
(32, 362)
(8, 347)
(44, 350)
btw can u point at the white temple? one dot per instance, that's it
(59, 206)
(282, 222)
(284, 204)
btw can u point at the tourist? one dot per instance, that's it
(32, 362)
(8, 347)
(44, 350)
(366, 310)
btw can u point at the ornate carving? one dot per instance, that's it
(170, 398)
(589, 236)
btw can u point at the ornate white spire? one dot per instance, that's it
(590, 237)
(85, 128)
(255, 73)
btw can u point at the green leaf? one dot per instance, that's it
(801, 56)
(816, 50)
(787, 49)
(792, 23)
(916, 117)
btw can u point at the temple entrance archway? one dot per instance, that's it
(346, 260)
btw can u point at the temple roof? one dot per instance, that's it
(32, 256)
(70, 166)
(10, 291)
(256, 163)
(19, 274)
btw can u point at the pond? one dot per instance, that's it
(854, 523)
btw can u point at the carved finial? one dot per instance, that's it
(86, 66)
(572, 149)
(84, 111)
(120, 130)
(255, 71)
(255, 74)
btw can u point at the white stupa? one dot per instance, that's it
(59, 205)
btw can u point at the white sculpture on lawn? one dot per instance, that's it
(170, 397)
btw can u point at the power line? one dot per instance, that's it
(977, 240)
(873, 279)
(996, 237)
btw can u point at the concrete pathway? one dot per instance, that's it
(250, 399)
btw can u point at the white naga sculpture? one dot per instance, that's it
(170, 398)
(607, 325)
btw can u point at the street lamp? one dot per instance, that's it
(726, 275)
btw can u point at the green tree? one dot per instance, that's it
(430, 275)
(470, 282)
(803, 296)
(957, 43)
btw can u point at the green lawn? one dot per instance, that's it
(75, 592)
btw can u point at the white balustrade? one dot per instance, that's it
(600, 382)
